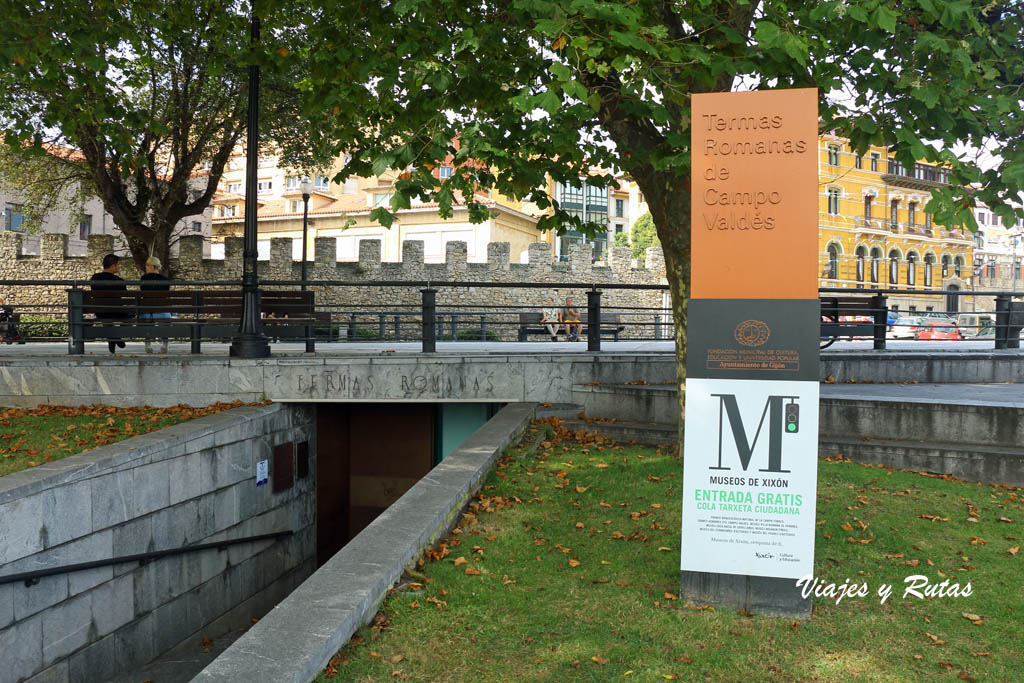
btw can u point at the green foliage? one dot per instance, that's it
(644, 234)
(530, 90)
(621, 240)
(42, 326)
(477, 335)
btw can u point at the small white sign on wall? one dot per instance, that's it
(262, 472)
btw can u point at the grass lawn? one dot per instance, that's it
(566, 567)
(29, 438)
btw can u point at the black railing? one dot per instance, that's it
(31, 578)
(432, 311)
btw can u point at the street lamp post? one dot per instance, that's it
(307, 189)
(250, 342)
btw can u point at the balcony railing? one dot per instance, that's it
(921, 176)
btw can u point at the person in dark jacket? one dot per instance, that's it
(154, 280)
(108, 279)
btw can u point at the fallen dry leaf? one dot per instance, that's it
(600, 660)
(471, 571)
(973, 618)
(1014, 550)
(460, 561)
(574, 563)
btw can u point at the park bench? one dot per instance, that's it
(835, 308)
(529, 323)
(197, 315)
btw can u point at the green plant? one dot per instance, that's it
(42, 326)
(477, 335)
(644, 235)
(621, 240)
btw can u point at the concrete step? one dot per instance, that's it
(564, 411)
(648, 433)
(637, 402)
(974, 462)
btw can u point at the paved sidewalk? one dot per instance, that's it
(1010, 395)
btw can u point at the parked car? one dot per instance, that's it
(933, 329)
(904, 328)
(974, 324)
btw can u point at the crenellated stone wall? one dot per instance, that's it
(53, 263)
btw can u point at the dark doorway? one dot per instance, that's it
(368, 455)
(952, 300)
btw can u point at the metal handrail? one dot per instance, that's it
(32, 578)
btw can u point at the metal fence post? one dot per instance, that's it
(593, 320)
(76, 331)
(429, 314)
(1002, 321)
(657, 327)
(881, 318)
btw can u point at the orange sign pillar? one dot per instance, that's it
(750, 445)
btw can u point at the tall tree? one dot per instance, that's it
(552, 87)
(141, 103)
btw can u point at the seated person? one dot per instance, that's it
(551, 318)
(572, 321)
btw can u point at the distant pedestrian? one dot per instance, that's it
(154, 280)
(108, 280)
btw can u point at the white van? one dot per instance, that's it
(973, 324)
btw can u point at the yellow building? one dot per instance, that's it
(874, 232)
(343, 211)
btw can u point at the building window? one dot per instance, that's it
(894, 263)
(833, 201)
(911, 214)
(619, 208)
(874, 161)
(867, 206)
(858, 161)
(1016, 270)
(833, 262)
(197, 226)
(990, 269)
(619, 228)
(321, 183)
(833, 155)
(861, 256)
(979, 240)
(264, 186)
(295, 206)
(227, 210)
(14, 217)
(958, 264)
(235, 188)
(382, 198)
(927, 221)
(945, 265)
(445, 172)
(84, 226)
(929, 259)
(894, 215)
(266, 161)
(589, 203)
(876, 260)
(911, 268)
(291, 182)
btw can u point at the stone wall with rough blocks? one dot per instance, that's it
(190, 483)
(54, 263)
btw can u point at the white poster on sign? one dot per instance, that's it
(749, 477)
(262, 472)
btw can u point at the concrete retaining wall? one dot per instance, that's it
(980, 365)
(477, 377)
(297, 639)
(187, 484)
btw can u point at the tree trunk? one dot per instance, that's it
(144, 242)
(669, 200)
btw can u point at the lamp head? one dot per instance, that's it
(306, 185)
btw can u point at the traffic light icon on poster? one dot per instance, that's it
(792, 418)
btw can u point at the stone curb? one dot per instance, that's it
(297, 639)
